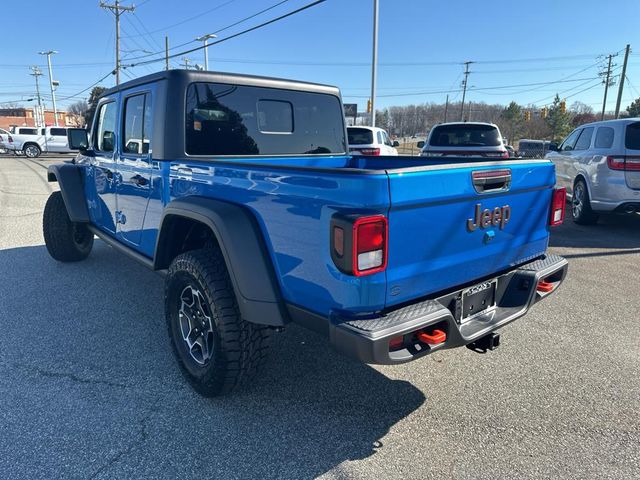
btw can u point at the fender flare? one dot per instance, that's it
(69, 177)
(243, 248)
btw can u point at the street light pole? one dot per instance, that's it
(374, 63)
(204, 39)
(53, 92)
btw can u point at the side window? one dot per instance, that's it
(133, 125)
(584, 142)
(380, 140)
(106, 128)
(604, 137)
(570, 141)
(59, 132)
(387, 140)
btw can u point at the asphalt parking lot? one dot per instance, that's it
(89, 387)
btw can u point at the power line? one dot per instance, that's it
(243, 32)
(188, 19)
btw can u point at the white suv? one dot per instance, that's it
(599, 164)
(370, 141)
(464, 139)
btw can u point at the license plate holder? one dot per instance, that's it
(478, 299)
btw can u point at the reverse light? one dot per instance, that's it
(558, 203)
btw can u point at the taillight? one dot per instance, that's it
(624, 162)
(504, 154)
(359, 244)
(558, 203)
(370, 151)
(615, 163)
(369, 245)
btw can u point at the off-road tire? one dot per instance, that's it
(581, 210)
(239, 347)
(31, 150)
(66, 241)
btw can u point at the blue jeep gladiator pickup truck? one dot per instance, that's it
(241, 191)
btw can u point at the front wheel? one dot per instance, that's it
(581, 209)
(217, 350)
(66, 241)
(32, 150)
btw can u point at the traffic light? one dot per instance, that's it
(369, 106)
(563, 106)
(527, 116)
(544, 112)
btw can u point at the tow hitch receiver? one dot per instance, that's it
(488, 342)
(433, 338)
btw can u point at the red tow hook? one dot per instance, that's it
(545, 287)
(433, 338)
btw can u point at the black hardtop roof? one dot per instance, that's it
(188, 76)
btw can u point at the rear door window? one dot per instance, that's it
(380, 140)
(632, 136)
(59, 132)
(137, 121)
(28, 131)
(584, 142)
(360, 136)
(465, 135)
(226, 119)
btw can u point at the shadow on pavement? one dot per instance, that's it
(611, 231)
(99, 391)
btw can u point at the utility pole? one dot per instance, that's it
(464, 88)
(204, 39)
(374, 63)
(622, 78)
(117, 10)
(166, 52)
(186, 62)
(36, 73)
(51, 82)
(446, 108)
(607, 84)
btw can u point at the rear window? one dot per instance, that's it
(241, 120)
(360, 136)
(632, 137)
(465, 136)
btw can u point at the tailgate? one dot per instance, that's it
(445, 231)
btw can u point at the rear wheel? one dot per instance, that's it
(31, 150)
(66, 241)
(217, 350)
(581, 209)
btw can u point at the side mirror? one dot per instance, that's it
(78, 139)
(396, 143)
(420, 144)
(553, 147)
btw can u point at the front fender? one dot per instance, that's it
(69, 177)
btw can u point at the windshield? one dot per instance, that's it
(360, 136)
(465, 135)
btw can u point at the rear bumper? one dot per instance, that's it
(367, 339)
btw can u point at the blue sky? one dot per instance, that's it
(518, 46)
